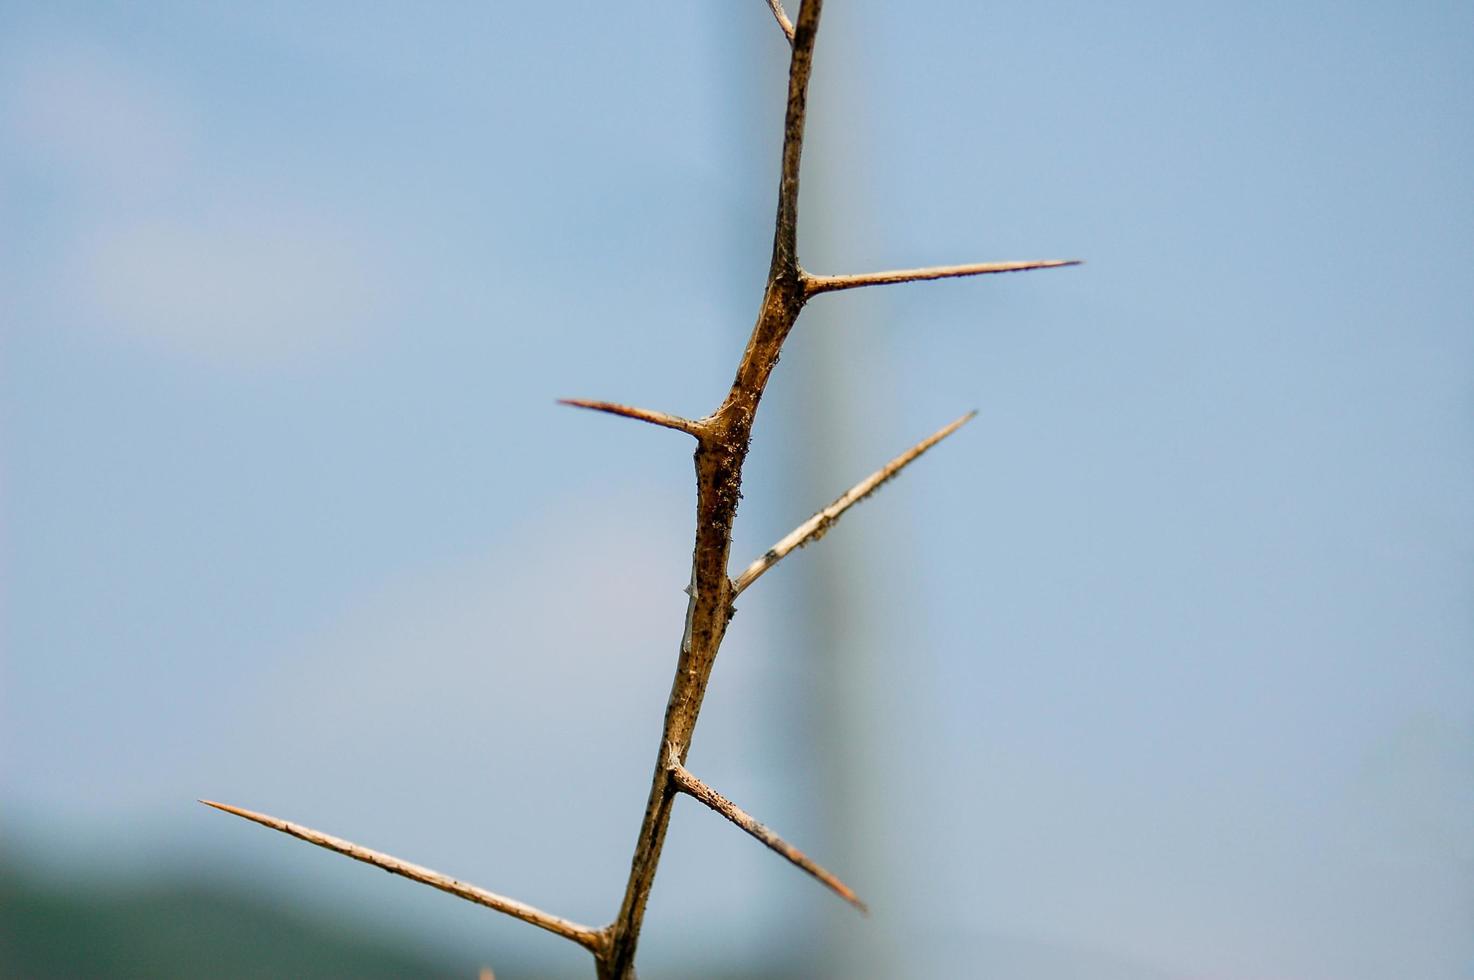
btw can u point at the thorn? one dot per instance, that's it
(642, 414)
(590, 939)
(818, 525)
(814, 285)
(784, 24)
(695, 788)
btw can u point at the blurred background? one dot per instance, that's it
(1161, 668)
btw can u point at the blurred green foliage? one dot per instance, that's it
(183, 929)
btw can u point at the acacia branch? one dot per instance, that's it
(817, 526)
(720, 455)
(590, 939)
(814, 285)
(723, 440)
(640, 414)
(784, 23)
(785, 239)
(697, 790)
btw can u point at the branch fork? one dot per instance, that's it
(723, 439)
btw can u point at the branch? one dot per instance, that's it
(591, 939)
(783, 22)
(785, 236)
(720, 454)
(818, 525)
(642, 414)
(814, 285)
(698, 790)
(723, 442)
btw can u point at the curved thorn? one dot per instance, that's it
(642, 414)
(814, 285)
(818, 525)
(696, 789)
(590, 939)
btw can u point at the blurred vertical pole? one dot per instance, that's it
(843, 625)
(843, 618)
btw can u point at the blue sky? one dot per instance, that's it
(1162, 664)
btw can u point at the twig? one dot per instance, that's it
(818, 525)
(642, 414)
(814, 285)
(720, 454)
(697, 790)
(785, 239)
(723, 440)
(784, 23)
(591, 939)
